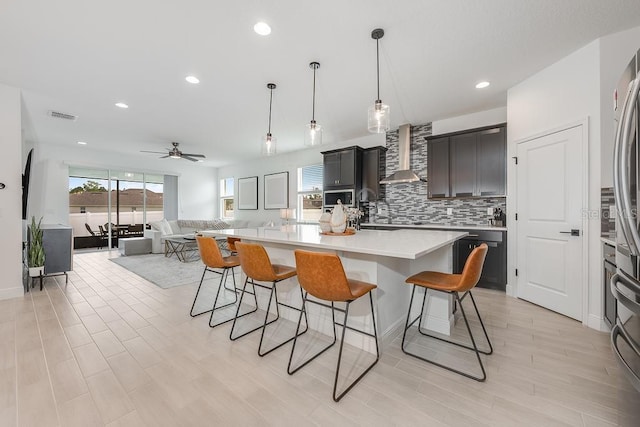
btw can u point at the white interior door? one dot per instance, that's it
(549, 205)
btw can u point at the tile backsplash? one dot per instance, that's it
(607, 221)
(408, 203)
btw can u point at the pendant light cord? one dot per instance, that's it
(378, 65)
(313, 104)
(270, 102)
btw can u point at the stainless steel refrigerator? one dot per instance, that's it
(625, 284)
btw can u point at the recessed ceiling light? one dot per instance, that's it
(262, 28)
(482, 85)
(192, 79)
(121, 105)
(82, 143)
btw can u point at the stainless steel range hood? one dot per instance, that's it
(404, 174)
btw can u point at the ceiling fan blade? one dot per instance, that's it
(163, 157)
(194, 155)
(154, 152)
(184, 156)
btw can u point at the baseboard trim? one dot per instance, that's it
(597, 323)
(12, 293)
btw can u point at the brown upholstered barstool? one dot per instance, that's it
(212, 258)
(452, 284)
(231, 244)
(257, 267)
(322, 276)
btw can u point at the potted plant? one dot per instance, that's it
(36, 250)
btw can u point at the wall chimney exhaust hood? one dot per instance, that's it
(404, 174)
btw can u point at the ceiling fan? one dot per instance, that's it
(175, 153)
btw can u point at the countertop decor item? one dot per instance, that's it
(353, 217)
(338, 218)
(325, 222)
(346, 232)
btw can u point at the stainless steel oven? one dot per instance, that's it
(331, 197)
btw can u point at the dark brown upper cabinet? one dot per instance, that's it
(468, 164)
(373, 170)
(438, 168)
(342, 168)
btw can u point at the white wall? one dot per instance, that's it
(470, 121)
(49, 196)
(616, 51)
(11, 195)
(286, 162)
(564, 93)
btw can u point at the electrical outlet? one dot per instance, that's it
(449, 211)
(489, 211)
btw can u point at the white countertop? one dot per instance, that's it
(435, 226)
(408, 244)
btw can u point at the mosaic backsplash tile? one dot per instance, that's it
(607, 221)
(408, 203)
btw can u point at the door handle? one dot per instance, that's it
(573, 232)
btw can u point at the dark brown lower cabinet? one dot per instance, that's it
(494, 272)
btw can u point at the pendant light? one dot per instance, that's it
(378, 113)
(268, 141)
(313, 134)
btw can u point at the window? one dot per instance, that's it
(226, 198)
(309, 193)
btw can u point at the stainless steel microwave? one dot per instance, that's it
(331, 197)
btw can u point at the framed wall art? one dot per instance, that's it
(248, 193)
(276, 190)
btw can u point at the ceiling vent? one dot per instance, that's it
(59, 115)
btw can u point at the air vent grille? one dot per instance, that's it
(59, 115)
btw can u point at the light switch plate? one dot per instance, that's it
(449, 211)
(489, 211)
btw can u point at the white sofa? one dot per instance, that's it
(181, 227)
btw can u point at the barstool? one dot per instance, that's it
(452, 284)
(231, 244)
(322, 275)
(212, 258)
(257, 266)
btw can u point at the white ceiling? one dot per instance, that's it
(80, 57)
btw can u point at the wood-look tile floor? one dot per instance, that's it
(112, 349)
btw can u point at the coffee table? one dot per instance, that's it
(185, 249)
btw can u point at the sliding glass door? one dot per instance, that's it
(108, 205)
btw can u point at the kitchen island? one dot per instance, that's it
(383, 257)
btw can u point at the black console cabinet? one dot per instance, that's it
(494, 272)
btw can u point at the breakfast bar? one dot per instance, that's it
(383, 257)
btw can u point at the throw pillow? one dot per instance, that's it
(219, 225)
(175, 228)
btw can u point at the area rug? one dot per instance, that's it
(164, 272)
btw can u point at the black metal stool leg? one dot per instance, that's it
(344, 329)
(274, 294)
(473, 347)
(223, 280)
(196, 297)
(293, 349)
(238, 315)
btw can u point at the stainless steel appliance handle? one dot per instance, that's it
(617, 191)
(631, 304)
(627, 217)
(619, 331)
